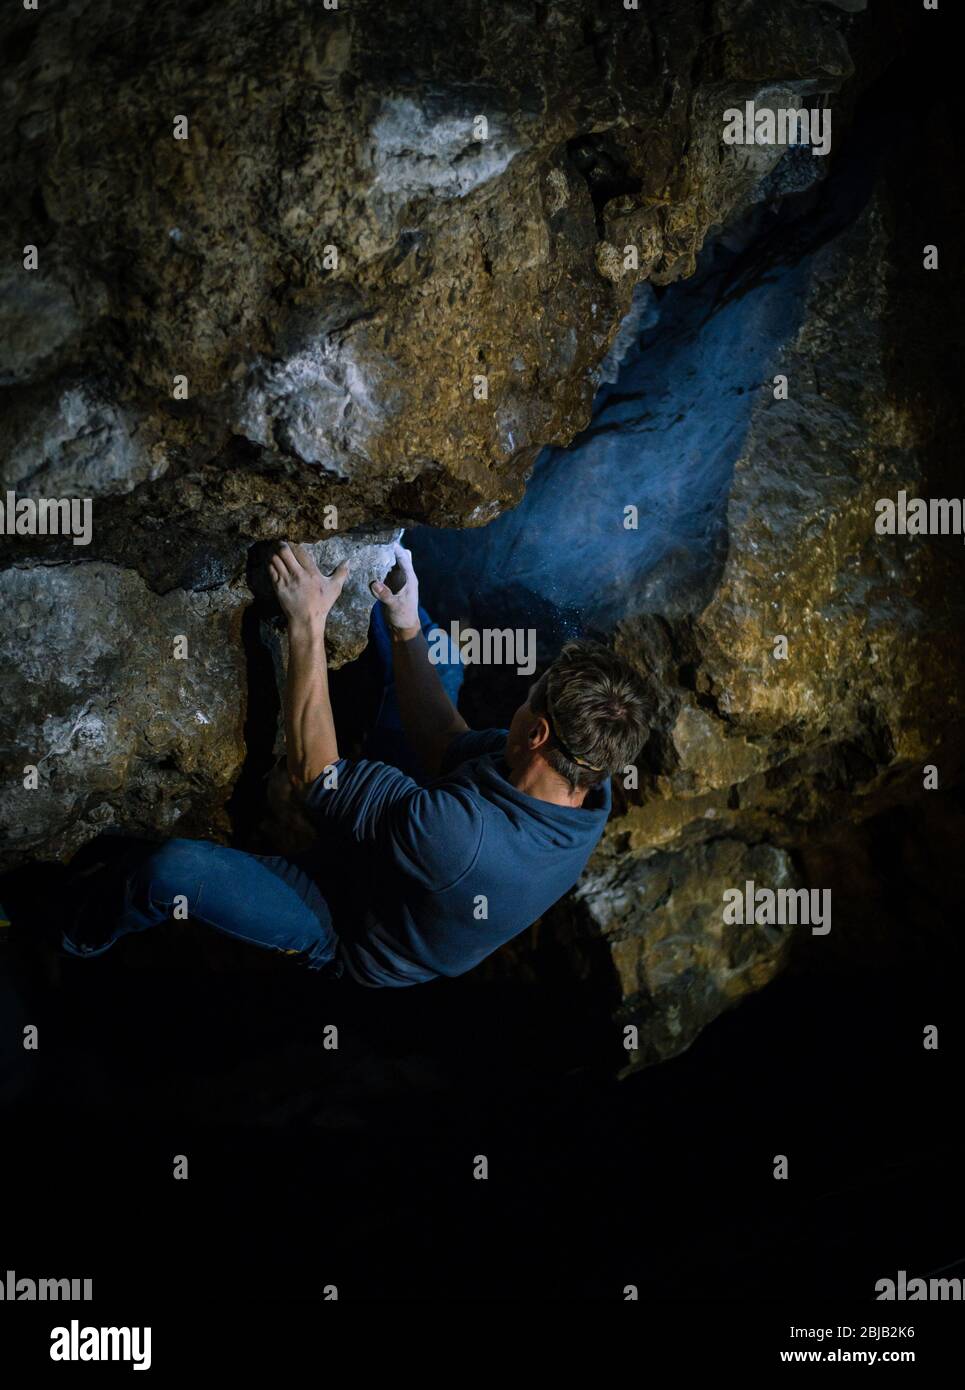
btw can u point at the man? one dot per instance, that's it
(405, 882)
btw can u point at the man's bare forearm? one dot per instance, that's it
(309, 725)
(429, 718)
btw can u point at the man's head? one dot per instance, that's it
(586, 717)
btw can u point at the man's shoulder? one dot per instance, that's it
(436, 832)
(474, 743)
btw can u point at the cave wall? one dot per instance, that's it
(804, 761)
(189, 356)
(757, 520)
(778, 753)
(331, 399)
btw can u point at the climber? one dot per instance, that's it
(407, 879)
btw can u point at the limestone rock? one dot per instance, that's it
(371, 211)
(756, 521)
(678, 964)
(72, 441)
(385, 270)
(869, 692)
(120, 729)
(370, 557)
(289, 312)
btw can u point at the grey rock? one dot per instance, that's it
(118, 728)
(312, 385)
(73, 441)
(37, 318)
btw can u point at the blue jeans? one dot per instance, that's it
(266, 900)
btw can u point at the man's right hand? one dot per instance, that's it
(305, 594)
(402, 608)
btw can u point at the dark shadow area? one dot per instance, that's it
(246, 805)
(309, 1166)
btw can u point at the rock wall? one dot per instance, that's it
(781, 752)
(275, 324)
(765, 766)
(757, 522)
(383, 270)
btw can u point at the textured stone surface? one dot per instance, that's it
(309, 382)
(117, 728)
(354, 128)
(315, 383)
(121, 729)
(758, 754)
(781, 751)
(687, 966)
(370, 557)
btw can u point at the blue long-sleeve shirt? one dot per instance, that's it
(428, 881)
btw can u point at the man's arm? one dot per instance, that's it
(306, 596)
(429, 718)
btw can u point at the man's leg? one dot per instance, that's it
(265, 901)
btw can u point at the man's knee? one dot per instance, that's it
(173, 870)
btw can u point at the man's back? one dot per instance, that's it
(439, 877)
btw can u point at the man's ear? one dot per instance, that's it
(539, 732)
